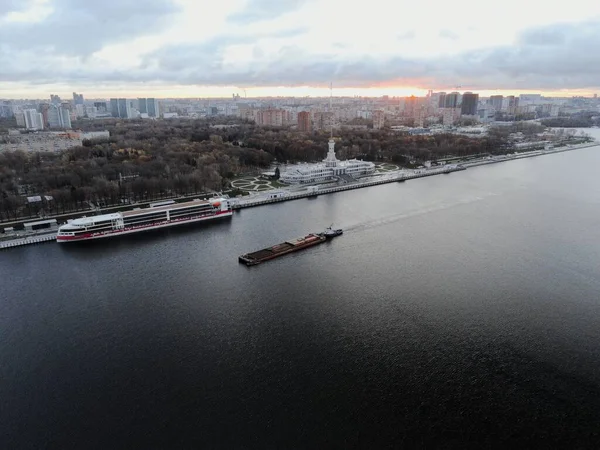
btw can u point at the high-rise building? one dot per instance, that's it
(469, 104)
(43, 109)
(90, 112)
(6, 109)
(101, 106)
(66, 118)
(271, 117)
(419, 116)
(442, 100)
(120, 107)
(323, 120)
(530, 99)
(59, 117)
(148, 106)
(143, 105)
(304, 124)
(512, 103)
(496, 102)
(153, 108)
(246, 113)
(451, 100)
(410, 106)
(20, 118)
(231, 109)
(79, 110)
(450, 115)
(114, 107)
(77, 98)
(124, 108)
(55, 99)
(486, 114)
(33, 119)
(378, 119)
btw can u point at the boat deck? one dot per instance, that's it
(267, 252)
(281, 249)
(157, 209)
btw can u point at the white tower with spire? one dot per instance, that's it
(331, 168)
(331, 161)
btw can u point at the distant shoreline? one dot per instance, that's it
(389, 177)
(400, 176)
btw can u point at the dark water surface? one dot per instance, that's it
(456, 311)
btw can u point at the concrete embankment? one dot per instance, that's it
(529, 155)
(403, 176)
(249, 203)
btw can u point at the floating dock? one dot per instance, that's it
(251, 259)
(27, 240)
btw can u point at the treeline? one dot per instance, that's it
(571, 122)
(6, 123)
(148, 160)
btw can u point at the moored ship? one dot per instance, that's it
(293, 245)
(144, 219)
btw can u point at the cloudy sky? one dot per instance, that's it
(197, 48)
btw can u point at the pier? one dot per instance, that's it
(28, 240)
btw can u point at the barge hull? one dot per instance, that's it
(253, 258)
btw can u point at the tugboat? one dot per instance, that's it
(331, 233)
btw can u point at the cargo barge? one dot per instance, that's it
(293, 245)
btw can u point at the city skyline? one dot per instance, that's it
(306, 93)
(261, 48)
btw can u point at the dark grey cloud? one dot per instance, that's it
(560, 56)
(81, 27)
(256, 10)
(291, 67)
(551, 57)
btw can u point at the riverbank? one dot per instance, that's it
(297, 192)
(503, 158)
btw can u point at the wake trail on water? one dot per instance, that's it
(368, 224)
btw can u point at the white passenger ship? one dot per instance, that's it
(158, 215)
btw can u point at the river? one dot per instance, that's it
(456, 310)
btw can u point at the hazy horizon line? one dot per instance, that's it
(260, 97)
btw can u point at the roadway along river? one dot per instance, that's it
(455, 309)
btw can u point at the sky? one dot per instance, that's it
(216, 48)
